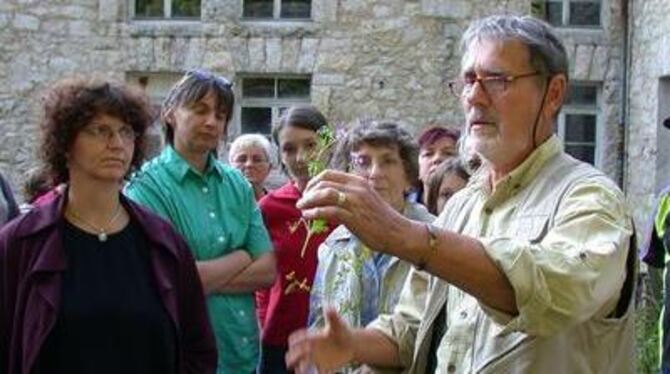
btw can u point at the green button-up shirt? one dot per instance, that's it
(560, 232)
(216, 213)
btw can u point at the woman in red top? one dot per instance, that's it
(284, 307)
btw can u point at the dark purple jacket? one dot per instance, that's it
(32, 261)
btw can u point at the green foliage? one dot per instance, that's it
(318, 226)
(325, 142)
(319, 162)
(646, 323)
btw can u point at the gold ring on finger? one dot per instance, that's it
(341, 198)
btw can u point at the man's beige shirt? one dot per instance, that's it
(560, 232)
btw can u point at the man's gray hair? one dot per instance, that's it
(547, 52)
(249, 141)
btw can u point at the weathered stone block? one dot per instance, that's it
(273, 53)
(328, 79)
(108, 10)
(308, 52)
(256, 48)
(26, 22)
(583, 59)
(447, 9)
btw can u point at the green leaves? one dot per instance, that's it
(325, 142)
(318, 226)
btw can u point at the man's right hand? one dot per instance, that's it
(324, 350)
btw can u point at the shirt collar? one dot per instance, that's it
(523, 174)
(179, 167)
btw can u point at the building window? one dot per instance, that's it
(570, 13)
(578, 122)
(264, 99)
(174, 9)
(277, 9)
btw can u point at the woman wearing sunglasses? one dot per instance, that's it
(214, 208)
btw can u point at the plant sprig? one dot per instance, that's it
(326, 140)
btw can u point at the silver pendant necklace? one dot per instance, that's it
(102, 231)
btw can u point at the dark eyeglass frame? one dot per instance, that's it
(462, 86)
(206, 75)
(106, 133)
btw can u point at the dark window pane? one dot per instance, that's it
(586, 13)
(296, 9)
(258, 87)
(258, 9)
(580, 128)
(186, 8)
(554, 14)
(582, 95)
(256, 120)
(294, 88)
(585, 153)
(149, 9)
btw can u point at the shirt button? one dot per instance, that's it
(464, 314)
(212, 214)
(451, 368)
(221, 239)
(205, 189)
(242, 314)
(488, 210)
(245, 340)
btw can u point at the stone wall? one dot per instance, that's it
(597, 55)
(648, 154)
(383, 58)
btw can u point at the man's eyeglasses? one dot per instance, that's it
(105, 133)
(205, 75)
(493, 85)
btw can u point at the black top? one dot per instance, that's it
(111, 318)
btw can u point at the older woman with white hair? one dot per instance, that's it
(251, 154)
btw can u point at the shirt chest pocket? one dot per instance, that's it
(529, 227)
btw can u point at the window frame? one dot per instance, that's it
(276, 13)
(167, 13)
(274, 103)
(593, 109)
(565, 15)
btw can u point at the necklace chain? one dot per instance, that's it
(102, 231)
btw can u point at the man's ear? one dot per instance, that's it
(558, 86)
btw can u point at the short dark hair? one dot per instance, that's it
(433, 133)
(191, 88)
(70, 105)
(385, 134)
(450, 165)
(306, 117)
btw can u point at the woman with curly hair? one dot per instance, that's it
(91, 282)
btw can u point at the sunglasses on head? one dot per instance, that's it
(206, 75)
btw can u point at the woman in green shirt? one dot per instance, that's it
(213, 207)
